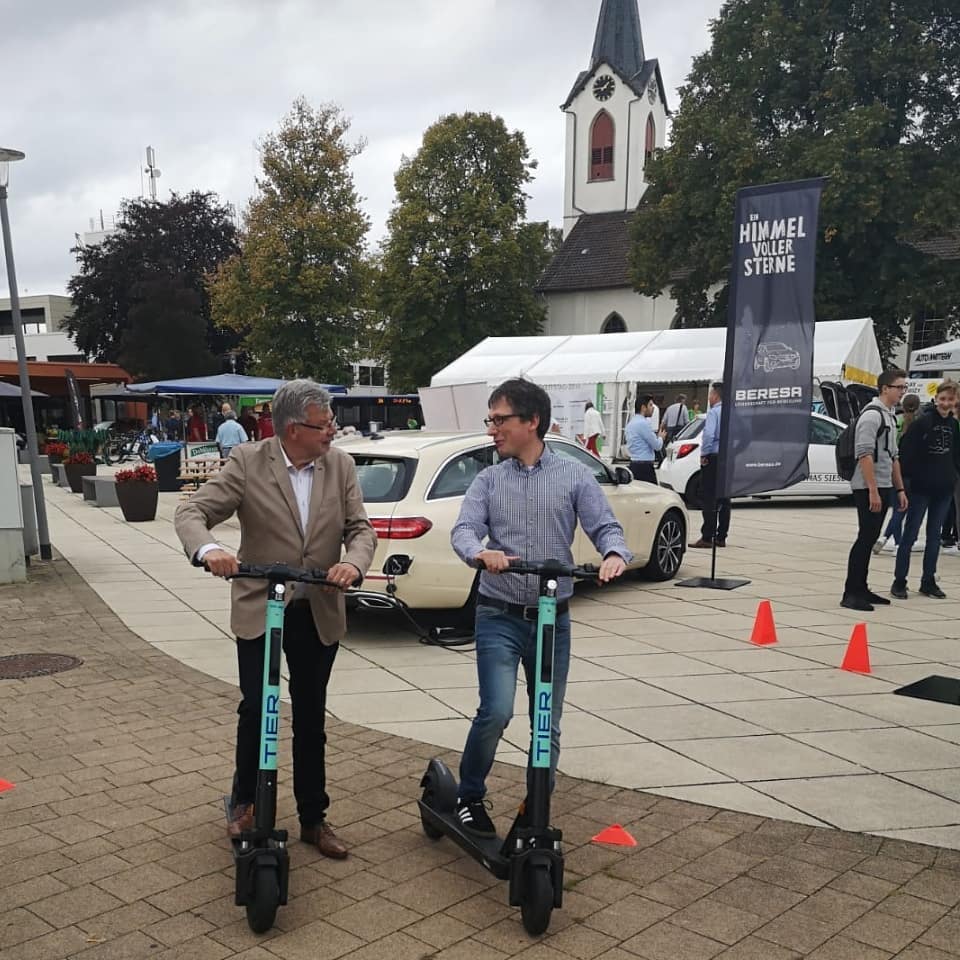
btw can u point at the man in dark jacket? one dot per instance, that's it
(929, 458)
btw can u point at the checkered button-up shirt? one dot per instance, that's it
(532, 513)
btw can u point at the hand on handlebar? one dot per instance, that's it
(493, 561)
(611, 568)
(340, 577)
(221, 563)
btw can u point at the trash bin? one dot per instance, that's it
(165, 457)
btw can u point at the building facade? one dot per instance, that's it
(616, 117)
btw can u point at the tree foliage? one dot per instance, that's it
(298, 289)
(459, 262)
(158, 257)
(864, 92)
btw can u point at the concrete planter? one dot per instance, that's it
(138, 500)
(75, 472)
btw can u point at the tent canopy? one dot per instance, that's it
(843, 350)
(224, 384)
(944, 356)
(9, 391)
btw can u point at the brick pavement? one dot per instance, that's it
(112, 842)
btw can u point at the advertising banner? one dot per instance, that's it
(74, 390)
(203, 451)
(768, 368)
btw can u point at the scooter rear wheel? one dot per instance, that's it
(262, 909)
(537, 905)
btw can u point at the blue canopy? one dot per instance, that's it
(224, 384)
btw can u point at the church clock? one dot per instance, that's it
(603, 88)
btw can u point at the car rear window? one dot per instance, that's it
(384, 479)
(693, 429)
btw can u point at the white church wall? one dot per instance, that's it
(586, 311)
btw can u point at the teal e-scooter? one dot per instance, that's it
(531, 856)
(260, 854)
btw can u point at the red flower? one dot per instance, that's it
(81, 457)
(142, 474)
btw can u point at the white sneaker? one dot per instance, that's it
(918, 546)
(881, 545)
(889, 546)
(954, 551)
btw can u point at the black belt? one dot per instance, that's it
(518, 609)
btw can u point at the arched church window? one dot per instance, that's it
(614, 324)
(601, 147)
(651, 139)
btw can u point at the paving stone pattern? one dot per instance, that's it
(112, 842)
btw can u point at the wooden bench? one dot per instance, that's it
(101, 491)
(195, 472)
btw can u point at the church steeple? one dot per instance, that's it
(618, 41)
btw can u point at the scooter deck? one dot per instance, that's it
(486, 850)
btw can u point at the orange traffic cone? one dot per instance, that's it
(615, 836)
(764, 629)
(857, 657)
(6, 785)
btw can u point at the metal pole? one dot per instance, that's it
(43, 533)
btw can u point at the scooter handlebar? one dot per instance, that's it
(282, 572)
(553, 568)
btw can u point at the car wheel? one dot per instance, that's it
(693, 495)
(669, 545)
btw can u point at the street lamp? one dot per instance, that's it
(7, 157)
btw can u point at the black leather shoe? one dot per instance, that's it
(899, 591)
(856, 603)
(930, 589)
(876, 599)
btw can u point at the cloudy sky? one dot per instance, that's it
(89, 85)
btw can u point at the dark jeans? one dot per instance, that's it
(716, 513)
(935, 506)
(869, 525)
(309, 663)
(895, 526)
(643, 470)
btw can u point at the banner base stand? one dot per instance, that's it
(713, 583)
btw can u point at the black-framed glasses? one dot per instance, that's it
(329, 425)
(499, 420)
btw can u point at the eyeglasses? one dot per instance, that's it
(329, 425)
(499, 420)
(897, 386)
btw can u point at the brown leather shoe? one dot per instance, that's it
(721, 542)
(702, 544)
(241, 819)
(325, 840)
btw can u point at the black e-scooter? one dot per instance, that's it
(530, 857)
(260, 854)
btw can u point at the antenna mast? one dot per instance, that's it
(152, 172)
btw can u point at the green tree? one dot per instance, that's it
(459, 263)
(865, 93)
(161, 251)
(298, 288)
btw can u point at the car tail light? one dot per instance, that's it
(400, 528)
(684, 449)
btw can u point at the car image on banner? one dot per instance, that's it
(680, 470)
(413, 485)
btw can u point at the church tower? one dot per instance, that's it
(616, 117)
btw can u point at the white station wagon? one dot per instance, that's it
(413, 484)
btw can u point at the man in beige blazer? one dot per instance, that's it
(298, 502)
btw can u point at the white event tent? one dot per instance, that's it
(944, 356)
(844, 350)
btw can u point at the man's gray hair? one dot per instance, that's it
(290, 403)
(230, 415)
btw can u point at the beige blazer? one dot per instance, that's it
(255, 485)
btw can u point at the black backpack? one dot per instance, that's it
(847, 445)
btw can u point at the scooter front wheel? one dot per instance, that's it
(536, 907)
(262, 909)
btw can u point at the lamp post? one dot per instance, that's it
(7, 157)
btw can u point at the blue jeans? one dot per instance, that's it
(895, 526)
(503, 643)
(935, 506)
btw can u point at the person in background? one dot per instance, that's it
(891, 536)
(642, 441)
(716, 513)
(877, 474)
(654, 415)
(930, 460)
(695, 410)
(196, 426)
(230, 433)
(248, 421)
(265, 423)
(953, 551)
(172, 425)
(676, 417)
(593, 428)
